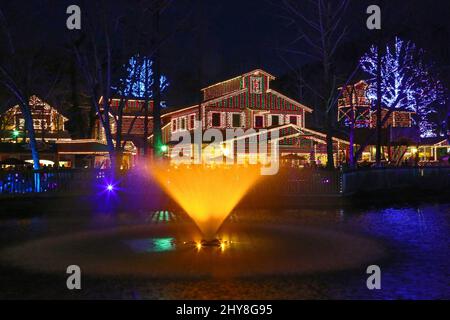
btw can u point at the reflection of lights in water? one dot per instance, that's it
(222, 245)
(151, 245)
(162, 216)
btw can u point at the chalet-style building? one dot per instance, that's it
(353, 99)
(243, 102)
(55, 146)
(400, 139)
(48, 123)
(247, 101)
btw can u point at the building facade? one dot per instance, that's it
(248, 102)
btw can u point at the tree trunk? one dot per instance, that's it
(109, 140)
(351, 148)
(371, 135)
(119, 148)
(448, 125)
(26, 111)
(379, 97)
(157, 134)
(329, 140)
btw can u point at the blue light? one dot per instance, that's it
(138, 82)
(408, 82)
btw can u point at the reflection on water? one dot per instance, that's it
(151, 245)
(162, 216)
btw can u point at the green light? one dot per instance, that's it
(15, 133)
(163, 148)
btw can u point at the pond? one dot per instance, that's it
(269, 254)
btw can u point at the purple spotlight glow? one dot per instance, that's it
(110, 187)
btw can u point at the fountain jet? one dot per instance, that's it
(207, 193)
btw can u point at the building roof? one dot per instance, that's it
(253, 72)
(10, 147)
(82, 146)
(35, 100)
(434, 141)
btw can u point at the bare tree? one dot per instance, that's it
(351, 94)
(96, 55)
(405, 80)
(22, 74)
(320, 30)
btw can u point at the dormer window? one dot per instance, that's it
(256, 84)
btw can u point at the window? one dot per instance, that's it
(256, 85)
(293, 120)
(215, 119)
(192, 121)
(174, 125)
(183, 123)
(275, 120)
(259, 121)
(236, 120)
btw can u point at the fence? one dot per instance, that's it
(44, 181)
(379, 179)
(292, 183)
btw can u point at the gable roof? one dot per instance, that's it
(269, 92)
(253, 72)
(34, 101)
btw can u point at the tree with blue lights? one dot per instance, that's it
(138, 83)
(408, 82)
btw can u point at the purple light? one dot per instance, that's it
(408, 82)
(110, 187)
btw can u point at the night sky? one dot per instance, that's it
(238, 35)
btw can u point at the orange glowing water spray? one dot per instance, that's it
(207, 193)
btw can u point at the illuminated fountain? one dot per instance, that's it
(208, 194)
(258, 244)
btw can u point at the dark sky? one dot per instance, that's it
(239, 35)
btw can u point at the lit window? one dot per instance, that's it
(183, 123)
